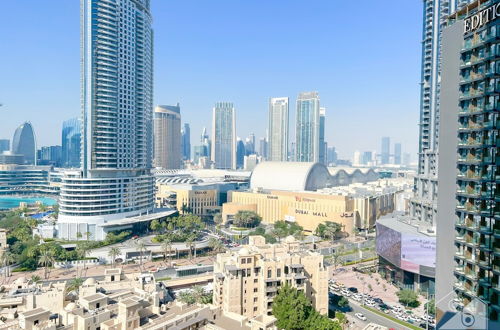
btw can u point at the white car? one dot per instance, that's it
(360, 316)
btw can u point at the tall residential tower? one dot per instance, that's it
(117, 93)
(71, 143)
(167, 136)
(307, 131)
(278, 129)
(224, 136)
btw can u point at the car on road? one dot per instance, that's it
(360, 316)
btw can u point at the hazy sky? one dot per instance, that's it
(363, 57)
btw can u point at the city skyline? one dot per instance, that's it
(197, 100)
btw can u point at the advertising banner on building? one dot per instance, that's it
(417, 251)
(388, 244)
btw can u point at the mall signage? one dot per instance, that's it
(481, 18)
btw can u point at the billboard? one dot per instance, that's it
(417, 251)
(388, 244)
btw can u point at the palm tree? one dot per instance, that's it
(42, 207)
(337, 258)
(83, 250)
(218, 218)
(88, 234)
(46, 259)
(35, 279)
(155, 226)
(113, 253)
(74, 285)
(215, 244)
(141, 247)
(166, 246)
(78, 236)
(7, 259)
(190, 243)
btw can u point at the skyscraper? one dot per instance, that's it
(385, 151)
(51, 155)
(24, 143)
(397, 153)
(250, 144)
(71, 143)
(167, 136)
(263, 147)
(117, 94)
(278, 129)
(322, 143)
(307, 131)
(423, 205)
(331, 155)
(468, 261)
(186, 142)
(4, 145)
(367, 157)
(240, 153)
(223, 136)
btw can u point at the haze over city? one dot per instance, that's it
(242, 52)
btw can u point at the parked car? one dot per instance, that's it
(353, 289)
(360, 316)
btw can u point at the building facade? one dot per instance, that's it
(278, 129)
(307, 130)
(477, 221)
(24, 143)
(224, 136)
(322, 142)
(167, 137)
(117, 90)
(397, 153)
(186, 142)
(247, 280)
(71, 143)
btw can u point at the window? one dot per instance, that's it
(269, 273)
(254, 289)
(278, 272)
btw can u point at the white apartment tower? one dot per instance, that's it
(223, 136)
(117, 93)
(278, 129)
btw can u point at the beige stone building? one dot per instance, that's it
(167, 136)
(308, 209)
(247, 280)
(200, 202)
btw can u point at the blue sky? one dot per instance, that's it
(363, 57)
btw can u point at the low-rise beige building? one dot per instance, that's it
(247, 280)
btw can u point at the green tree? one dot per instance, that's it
(42, 207)
(45, 260)
(430, 307)
(291, 309)
(35, 279)
(343, 302)
(187, 297)
(87, 235)
(408, 298)
(337, 258)
(74, 285)
(155, 225)
(113, 253)
(191, 244)
(166, 246)
(215, 244)
(83, 249)
(246, 219)
(78, 235)
(7, 259)
(341, 319)
(141, 247)
(218, 218)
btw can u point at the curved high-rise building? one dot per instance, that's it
(167, 136)
(115, 182)
(24, 143)
(71, 142)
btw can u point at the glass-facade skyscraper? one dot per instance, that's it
(278, 129)
(307, 130)
(117, 90)
(224, 136)
(385, 150)
(186, 141)
(71, 143)
(322, 143)
(4, 145)
(24, 143)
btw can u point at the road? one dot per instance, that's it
(375, 318)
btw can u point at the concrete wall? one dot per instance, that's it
(447, 173)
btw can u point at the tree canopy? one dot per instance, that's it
(408, 298)
(247, 219)
(294, 311)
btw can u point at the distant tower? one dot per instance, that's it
(186, 142)
(167, 136)
(223, 136)
(240, 153)
(322, 143)
(385, 152)
(71, 139)
(278, 129)
(4, 145)
(24, 143)
(307, 130)
(397, 153)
